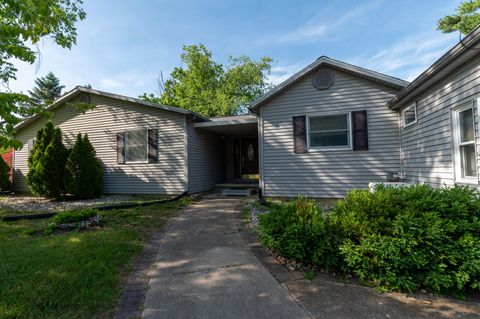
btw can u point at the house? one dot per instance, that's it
(330, 128)
(327, 130)
(439, 121)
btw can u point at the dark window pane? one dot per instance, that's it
(329, 139)
(330, 122)
(469, 162)
(466, 125)
(136, 146)
(409, 115)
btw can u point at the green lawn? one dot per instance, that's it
(76, 274)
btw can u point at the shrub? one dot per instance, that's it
(4, 175)
(74, 216)
(413, 237)
(297, 230)
(46, 163)
(84, 175)
(397, 239)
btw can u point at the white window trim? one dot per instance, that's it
(414, 105)
(457, 162)
(331, 148)
(126, 148)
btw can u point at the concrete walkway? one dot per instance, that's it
(205, 270)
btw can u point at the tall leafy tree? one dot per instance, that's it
(23, 24)
(46, 90)
(210, 88)
(465, 18)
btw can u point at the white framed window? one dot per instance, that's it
(464, 149)
(136, 146)
(329, 131)
(409, 115)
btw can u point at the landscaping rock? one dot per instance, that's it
(84, 224)
(29, 203)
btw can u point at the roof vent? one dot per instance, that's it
(323, 79)
(83, 98)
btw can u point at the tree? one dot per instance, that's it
(4, 175)
(465, 19)
(47, 89)
(210, 88)
(84, 174)
(46, 163)
(23, 24)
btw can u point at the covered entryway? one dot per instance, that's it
(240, 133)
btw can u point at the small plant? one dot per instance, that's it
(246, 215)
(49, 229)
(309, 274)
(74, 216)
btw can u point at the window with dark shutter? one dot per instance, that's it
(152, 145)
(299, 134)
(121, 147)
(360, 131)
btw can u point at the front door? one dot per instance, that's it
(249, 158)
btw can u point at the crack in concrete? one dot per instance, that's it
(208, 269)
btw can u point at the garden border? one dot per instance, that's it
(9, 218)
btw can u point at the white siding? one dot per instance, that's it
(205, 159)
(102, 124)
(427, 145)
(328, 173)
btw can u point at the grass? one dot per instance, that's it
(75, 274)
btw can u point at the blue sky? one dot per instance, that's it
(123, 45)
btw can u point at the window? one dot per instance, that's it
(136, 146)
(330, 131)
(410, 115)
(464, 145)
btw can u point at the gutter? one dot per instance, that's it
(409, 92)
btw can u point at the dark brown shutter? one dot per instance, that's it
(152, 145)
(360, 131)
(300, 134)
(121, 147)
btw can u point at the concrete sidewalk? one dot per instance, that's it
(205, 270)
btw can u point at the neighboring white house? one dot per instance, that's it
(330, 128)
(439, 133)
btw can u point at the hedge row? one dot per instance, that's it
(396, 238)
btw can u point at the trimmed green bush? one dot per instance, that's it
(5, 183)
(84, 174)
(396, 238)
(46, 163)
(74, 216)
(298, 231)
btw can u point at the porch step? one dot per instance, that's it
(238, 192)
(238, 185)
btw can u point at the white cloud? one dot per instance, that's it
(317, 27)
(408, 57)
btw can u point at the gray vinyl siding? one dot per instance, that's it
(427, 146)
(327, 173)
(205, 159)
(167, 176)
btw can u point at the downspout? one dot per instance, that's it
(400, 141)
(261, 185)
(185, 143)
